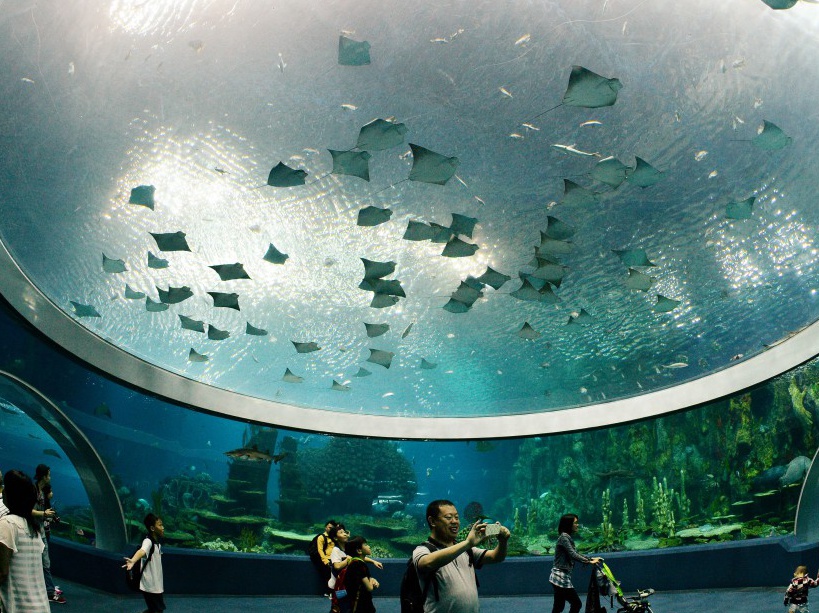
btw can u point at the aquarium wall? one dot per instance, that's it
(724, 472)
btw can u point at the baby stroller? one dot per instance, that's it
(610, 586)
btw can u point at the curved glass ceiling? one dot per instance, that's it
(647, 231)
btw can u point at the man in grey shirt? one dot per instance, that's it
(3, 509)
(451, 564)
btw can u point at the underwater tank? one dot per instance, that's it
(530, 257)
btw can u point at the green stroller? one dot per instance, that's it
(611, 586)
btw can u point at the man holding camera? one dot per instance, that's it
(447, 570)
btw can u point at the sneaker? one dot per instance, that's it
(58, 598)
(57, 590)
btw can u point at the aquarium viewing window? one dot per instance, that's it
(438, 220)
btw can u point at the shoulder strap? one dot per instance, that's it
(150, 552)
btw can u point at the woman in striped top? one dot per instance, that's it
(565, 557)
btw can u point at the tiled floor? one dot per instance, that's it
(80, 598)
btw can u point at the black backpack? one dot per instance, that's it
(134, 575)
(412, 596)
(313, 550)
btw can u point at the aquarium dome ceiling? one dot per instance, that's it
(511, 217)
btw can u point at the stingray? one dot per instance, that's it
(610, 171)
(174, 295)
(740, 210)
(493, 278)
(779, 5)
(588, 90)
(558, 230)
(385, 287)
(112, 266)
(382, 301)
(306, 347)
(377, 270)
(456, 248)
(633, 257)
(215, 334)
(455, 306)
(384, 358)
(418, 231)
(192, 324)
(132, 294)
(353, 163)
(194, 356)
(664, 305)
(84, 310)
(431, 167)
(406, 331)
(374, 330)
(225, 301)
(254, 331)
(155, 307)
(228, 272)
(440, 234)
(289, 377)
(282, 175)
(582, 317)
(362, 372)
(352, 52)
(638, 280)
(577, 195)
(381, 134)
(427, 365)
(553, 246)
(538, 282)
(155, 262)
(772, 138)
(274, 256)
(172, 241)
(339, 387)
(373, 216)
(461, 224)
(143, 195)
(52, 453)
(643, 174)
(528, 332)
(468, 292)
(550, 271)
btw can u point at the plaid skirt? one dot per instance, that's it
(560, 578)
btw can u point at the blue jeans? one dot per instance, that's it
(49, 581)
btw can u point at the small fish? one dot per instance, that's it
(591, 122)
(282, 64)
(505, 92)
(388, 394)
(102, 410)
(738, 63)
(349, 107)
(700, 155)
(27, 80)
(738, 356)
(523, 40)
(479, 200)
(429, 472)
(439, 40)
(583, 390)
(461, 181)
(405, 155)
(676, 365)
(221, 171)
(571, 149)
(457, 32)
(311, 150)
(71, 68)
(530, 126)
(739, 119)
(348, 32)
(712, 174)
(515, 135)
(758, 103)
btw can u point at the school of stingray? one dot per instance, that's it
(521, 293)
